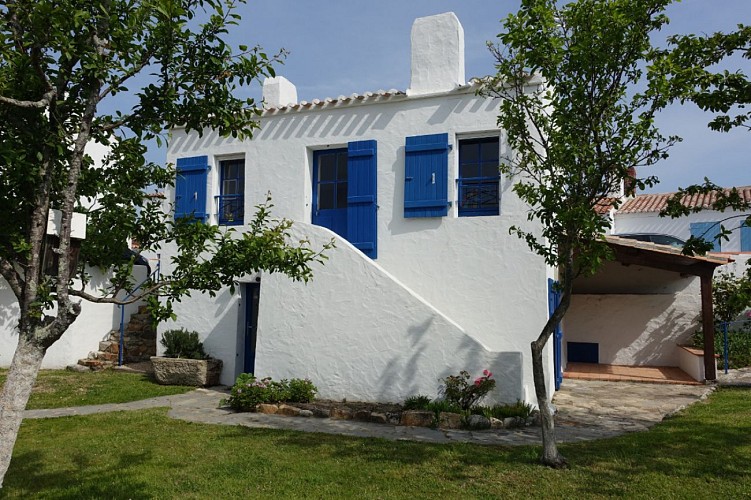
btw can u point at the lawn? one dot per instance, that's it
(61, 388)
(703, 453)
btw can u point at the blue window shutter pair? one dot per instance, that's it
(190, 187)
(745, 237)
(362, 176)
(426, 176)
(708, 231)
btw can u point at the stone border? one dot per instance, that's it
(408, 418)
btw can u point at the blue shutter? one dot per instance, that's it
(190, 187)
(426, 176)
(361, 196)
(708, 231)
(745, 237)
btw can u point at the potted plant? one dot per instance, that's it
(184, 361)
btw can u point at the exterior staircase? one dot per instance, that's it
(139, 343)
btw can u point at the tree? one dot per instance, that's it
(687, 62)
(577, 104)
(63, 63)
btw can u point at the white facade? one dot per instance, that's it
(445, 293)
(629, 220)
(92, 326)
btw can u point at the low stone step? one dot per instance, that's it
(109, 346)
(94, 364)
(107, 356)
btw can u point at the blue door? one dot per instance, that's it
(554, 298)
(330, 190)
(252, 295)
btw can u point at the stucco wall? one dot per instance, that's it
(631, 328)
(92, 325)
(468, 270)
(680, 227)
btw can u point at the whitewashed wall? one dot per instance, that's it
(479, 277)
(637, 315)
(92, 325)
(652, 223)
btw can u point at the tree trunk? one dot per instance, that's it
(550, 455)
(16, 391)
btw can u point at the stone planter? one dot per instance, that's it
(182, 371)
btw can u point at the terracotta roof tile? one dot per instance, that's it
(604, 205)
(656, 202)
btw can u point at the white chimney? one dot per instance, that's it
(437, 54)
(278, 92)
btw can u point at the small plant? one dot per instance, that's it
(459, 391)
(182, 344)
(250, 391)
(419, 402)
(301, 390)
(519, 409)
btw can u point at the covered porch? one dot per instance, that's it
(632, 320)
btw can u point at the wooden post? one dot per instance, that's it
(707, 320)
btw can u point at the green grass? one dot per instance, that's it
(61, 388)
(703, 453)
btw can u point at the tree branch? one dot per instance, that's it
(41, 103)
(114, 300)
(12, 277)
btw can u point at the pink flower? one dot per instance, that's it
(487, 373)
(478, 381)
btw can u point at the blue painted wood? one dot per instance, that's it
(252, 298)
(745, 238)
(362, 209)
(583, 352)
(190, 187)
(554, 298)
(426, 176)
(328, 212)
(708, 231)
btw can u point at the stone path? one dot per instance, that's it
(586, 410)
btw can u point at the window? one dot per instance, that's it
(708, 231)
(477, 185)
(745, 236)
(231, 199)
(344, 193)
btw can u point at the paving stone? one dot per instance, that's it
(583, 414)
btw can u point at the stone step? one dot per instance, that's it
(109, 346)
(94, 364)
(107, 356)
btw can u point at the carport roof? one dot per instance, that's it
(629, 251)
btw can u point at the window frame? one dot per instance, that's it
(477, 180)
(219, 199)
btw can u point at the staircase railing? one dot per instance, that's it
(155, 275)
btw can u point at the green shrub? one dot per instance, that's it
(419, 402)
(441, 405)
(739, 346)
(250, 391)
(459, 392)
(301, 390)
(182, 344)
(501, 411)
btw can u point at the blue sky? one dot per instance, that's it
(341, 47)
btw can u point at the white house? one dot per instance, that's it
(640, 214)
(425, 279)
(91, 327)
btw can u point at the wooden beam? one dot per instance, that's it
(707, 320)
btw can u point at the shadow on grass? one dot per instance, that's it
(84, 478)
